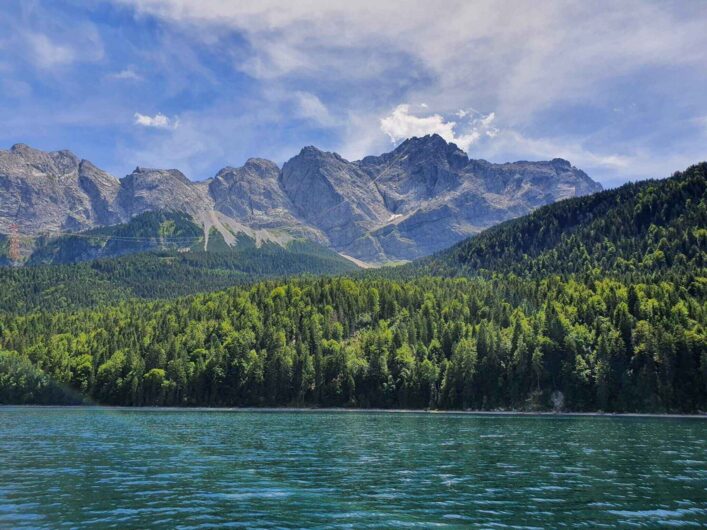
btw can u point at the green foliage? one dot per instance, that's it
(596, 303)
(637, 229)
(450, 343)
(150, 231)
(23, 383)
(4, 251)
(158, 274)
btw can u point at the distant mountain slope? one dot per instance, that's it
(4, 251)
(148, 231)
(422, 197)
(437, 196)
(156, 255)
(640, 227)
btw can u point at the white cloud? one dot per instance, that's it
(402, 124)
(56, 51)
(158, 121)
(47, 53)
(128, 74)
(309, 106)
(533, 63)
(514, 56)
(509, 141)
(207, 140)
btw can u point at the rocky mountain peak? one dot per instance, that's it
(86, 167)
(419, 198)
(53, 191)
(22, 148)
(144, 174)
(262, 167)
(65, 160)
(417, 170)
(23, 160)
(333, 194)
(252, 195)
(311, 150)
(429, 141)
(432, 149)
(561, 163)
(253, 168)
(148, 189)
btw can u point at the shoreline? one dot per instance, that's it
(300, 410)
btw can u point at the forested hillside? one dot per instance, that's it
(645, 227)
(146, 232)
(4, 251)
(160, 274)
(591, 304)
(156, 255)
(503, 343)
(176, 232)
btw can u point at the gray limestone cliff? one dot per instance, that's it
(423, 196)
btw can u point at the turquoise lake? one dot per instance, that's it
(122, 468)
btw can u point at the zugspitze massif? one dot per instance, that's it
(423, 196)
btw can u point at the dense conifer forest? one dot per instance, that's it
(146, 258)
(648, 227)
(596, 303)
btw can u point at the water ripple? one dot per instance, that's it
(91, 467)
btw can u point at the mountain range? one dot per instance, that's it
(422, 197)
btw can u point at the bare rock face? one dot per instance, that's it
(437, 196)
(250, 192)
(334, 195)
(147, 190)
(103, 190)
(535, 183)
(423, 196)
(42, 191)
(419, 169)
(252, 195)
(316, 181)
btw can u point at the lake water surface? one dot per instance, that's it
(97, 467)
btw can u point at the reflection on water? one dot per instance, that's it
(89, 467)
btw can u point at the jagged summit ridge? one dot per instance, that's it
(422, 196)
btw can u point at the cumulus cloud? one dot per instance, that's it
(548, 70)
(402, 124)
(158, 121)
(500, 51)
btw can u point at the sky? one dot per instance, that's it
(616, 88)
